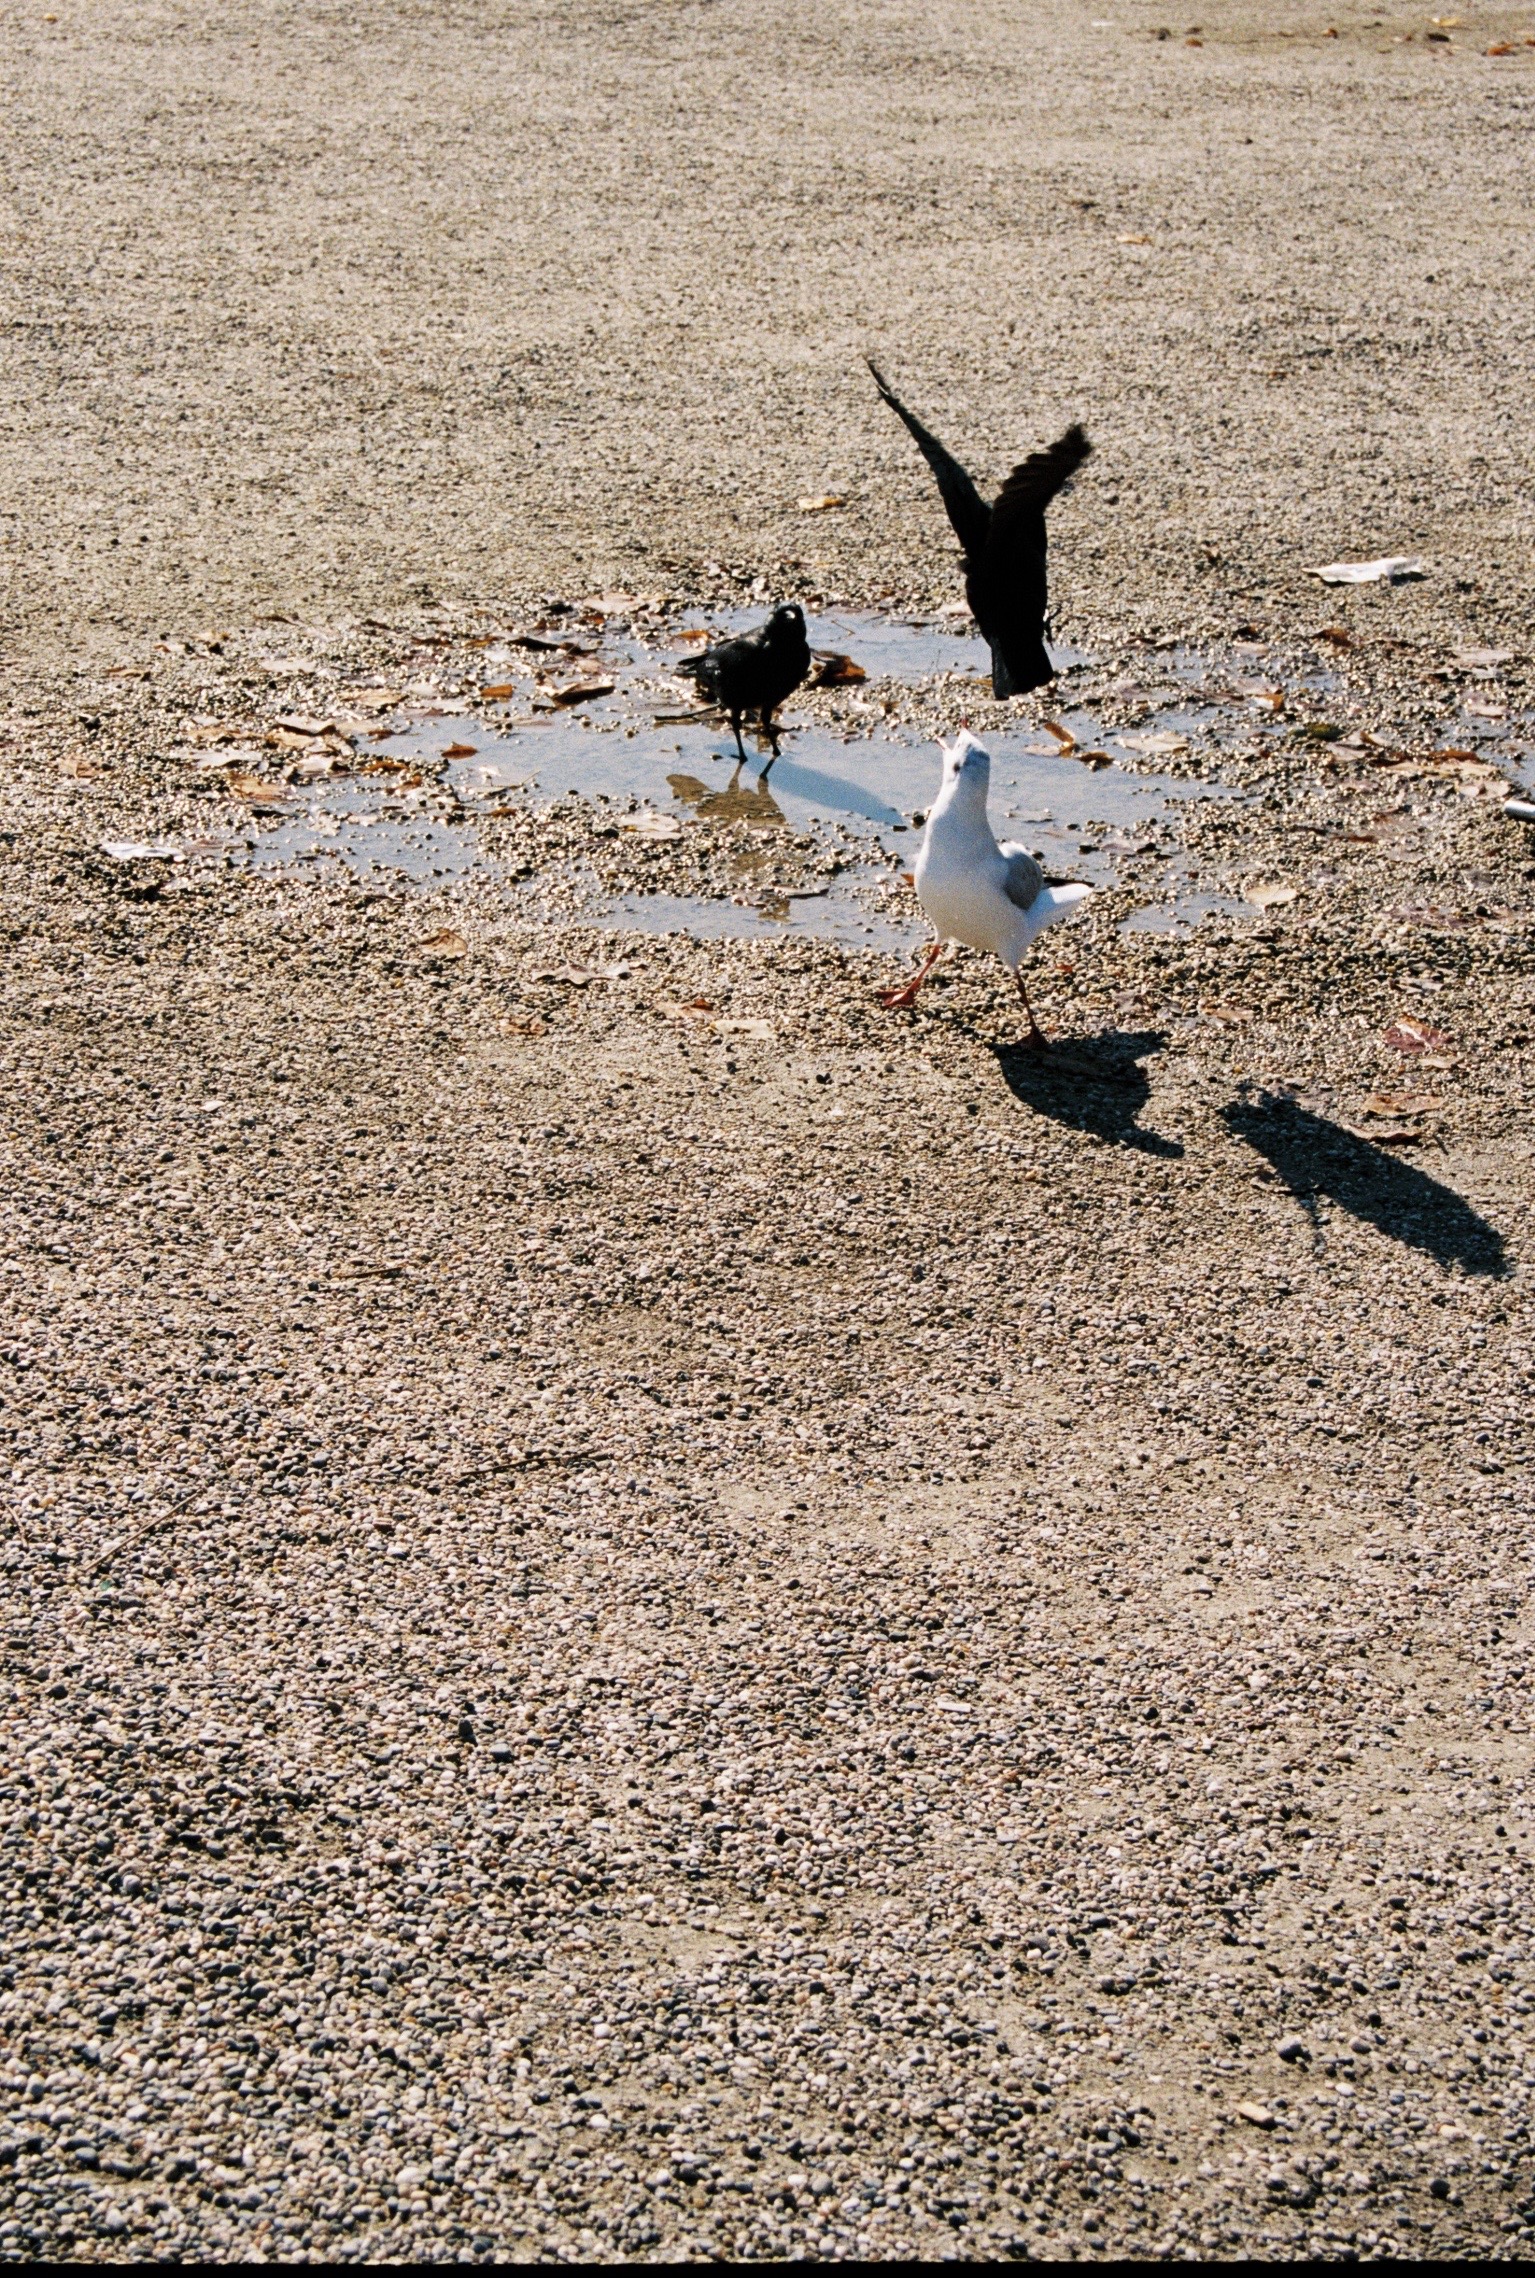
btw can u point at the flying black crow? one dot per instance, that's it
(1004, 546)
(755, 672)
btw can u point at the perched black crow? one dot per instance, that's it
(755, 672)
(1004, 546)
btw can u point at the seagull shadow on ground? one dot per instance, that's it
(1315, 1157)
(1094, 1083)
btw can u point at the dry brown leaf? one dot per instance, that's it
(255, 790)
(446, 943)
(579, 691)
(1401, 1103)
(1409, 1034)
(1266, 897)
(459, 751)
(1063, 736)
(80, 769)
(499, 693)
(1133, 237)
(530, 1026)
(1339, 635)
(833, 670)
(821, 505)
(1093, 759)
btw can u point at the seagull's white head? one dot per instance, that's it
(966, 762)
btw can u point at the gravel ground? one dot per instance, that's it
(662, 1616)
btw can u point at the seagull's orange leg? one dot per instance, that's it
(1036, 1040)
(896, 1000)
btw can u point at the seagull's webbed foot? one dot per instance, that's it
(897, 1000)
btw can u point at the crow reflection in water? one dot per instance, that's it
(1315, 1157)
(737, 803)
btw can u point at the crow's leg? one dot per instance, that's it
(1036, 1040)
(896, 1000)
(735, 729)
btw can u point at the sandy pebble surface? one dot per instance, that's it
(659, 1616)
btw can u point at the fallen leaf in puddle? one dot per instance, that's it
(651, 825)
(447, 943)
(1391, 569)
(1162, 740)
(80, 770)
(532, 1026)
(1063, 736)
(821, 505)
(499, 693)
(384, 764)
(1265, 897)
(255, 790)
(761, 1029)
(834, 670)
(459, 751)
(140, 850)
(579, 691)
(1410, 1035)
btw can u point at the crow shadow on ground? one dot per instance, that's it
(1315, 1157)
(1094, 1083)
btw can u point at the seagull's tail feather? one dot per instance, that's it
(1052, 903)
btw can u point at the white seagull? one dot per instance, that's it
(988, 896)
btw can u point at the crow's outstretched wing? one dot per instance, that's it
(1010, 589)
(966, 508)
(1032, 484)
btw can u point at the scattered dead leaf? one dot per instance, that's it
(1409, 1034)
(762, 1030)
(1132, 237)
(446, 943)
(579, 691)
(499, 692)
(821, 505)
(255, 790)
(1063, 736)
(1160, 740)
(1339, 635)
(530, 1025)
(1401, 1103)
(1269, 897)
(79, 769)
(833, 670)
(459, 751)
(649, 825)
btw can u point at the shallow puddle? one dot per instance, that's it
(409, 812)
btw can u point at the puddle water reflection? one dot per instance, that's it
(409, 811)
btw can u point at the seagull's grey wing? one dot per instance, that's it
(966, 509)
(1024, 877)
